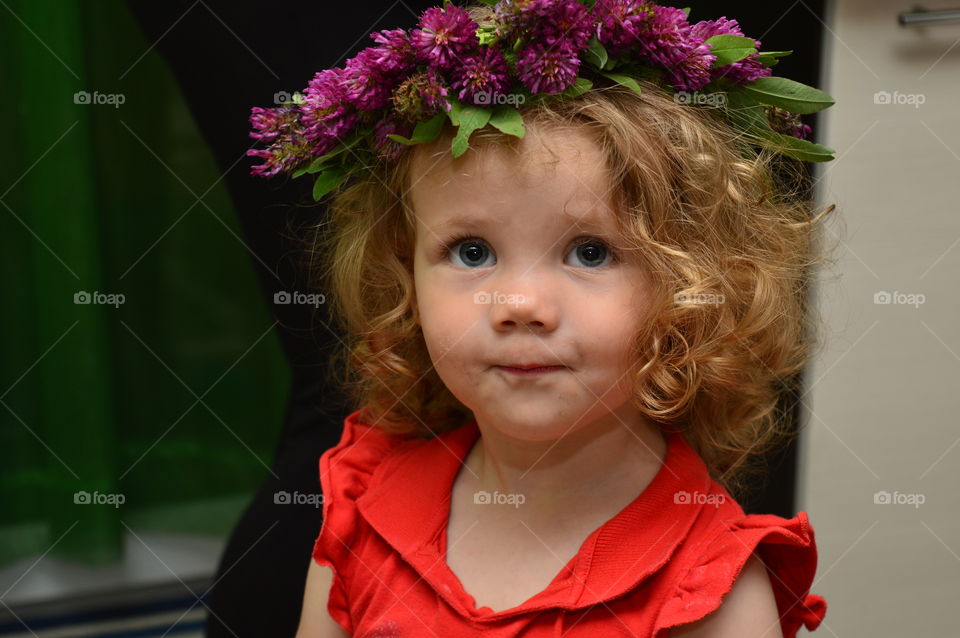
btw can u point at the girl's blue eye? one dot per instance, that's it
(468, 249)
(473, 252)
(592, 251)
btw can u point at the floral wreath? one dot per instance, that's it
(400, 92)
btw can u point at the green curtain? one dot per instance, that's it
(170, 401)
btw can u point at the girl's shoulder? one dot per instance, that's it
(368, 461)
(719, 546)
(346, 468)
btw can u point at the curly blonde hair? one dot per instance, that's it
(713, 218)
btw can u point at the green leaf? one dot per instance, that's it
(745, 112)
(730, 48)
(486, 35)
(686, 11)
(797, 148)
(788, 94)
(471, 118)
(400, 139)
(328, 180)
(428, 130)
(318, 164)
(596, 54)
(456, 106)
(771, 58)
(579, 87)
(303, 170)
(507, 119)
(624, 80)
(424, 131)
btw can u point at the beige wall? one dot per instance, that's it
(883, 398)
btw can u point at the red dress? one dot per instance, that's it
(666, 559)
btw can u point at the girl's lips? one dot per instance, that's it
(530, 372)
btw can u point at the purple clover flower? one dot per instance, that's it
(282, 157)
(721, 26)
(395, 56)
(445, 37)
(661, 37)
(783, 121)
(326, 115)
(553, 22)
(621, 23)
(692, 71)
(421, 96)
(742, 71)
(667, 41)
(288, 149)
(563, 21)
(364, 85)
(547, 70)
(555, 32)
(486, 72)
(271, 122)
(383, 145)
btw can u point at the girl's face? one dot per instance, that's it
(503, 277)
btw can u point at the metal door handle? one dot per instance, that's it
(922, 17)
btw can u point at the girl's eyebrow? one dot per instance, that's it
(591, 221)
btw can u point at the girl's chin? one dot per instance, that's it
(532, 427)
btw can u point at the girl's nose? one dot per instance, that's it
(533, 309)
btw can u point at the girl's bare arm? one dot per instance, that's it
(315, 621)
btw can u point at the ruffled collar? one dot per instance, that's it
(407, 502)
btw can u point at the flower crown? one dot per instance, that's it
(400, 92)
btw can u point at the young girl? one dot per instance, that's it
(568, 344)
